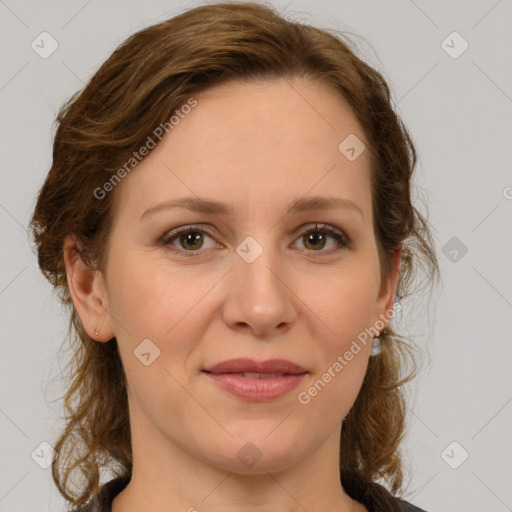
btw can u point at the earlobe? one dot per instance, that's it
(87, 290)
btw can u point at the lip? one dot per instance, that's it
(256, 389)
(227, 375)
(243, 365)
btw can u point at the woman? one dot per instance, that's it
(228, 219)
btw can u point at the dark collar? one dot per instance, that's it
(104, 499)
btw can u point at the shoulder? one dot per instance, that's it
(102, 502)
(377, 498)
(409, 507)
(92, 506)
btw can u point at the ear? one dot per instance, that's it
(87, 289)
(387, 293)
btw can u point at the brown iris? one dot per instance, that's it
(194, 238)
(314, 238)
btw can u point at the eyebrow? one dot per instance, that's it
(302, 204)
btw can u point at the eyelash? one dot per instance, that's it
(170, 236)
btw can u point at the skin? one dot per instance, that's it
(257, 146)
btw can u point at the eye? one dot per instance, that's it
(189, 239)
(316, 239)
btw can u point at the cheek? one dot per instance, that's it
(346, 308)
(148, 298)
(167, 305)
(346, 304)
(341, 352)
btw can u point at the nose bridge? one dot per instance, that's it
(258, 267)
(258, 294)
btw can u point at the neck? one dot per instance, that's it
(172, 480)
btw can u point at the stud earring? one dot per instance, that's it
(97, 331)
(375, 350)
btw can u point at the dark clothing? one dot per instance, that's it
(103, 501)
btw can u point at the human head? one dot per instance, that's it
(149, 77)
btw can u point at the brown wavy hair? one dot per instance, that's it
(148, 77)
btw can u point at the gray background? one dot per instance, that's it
(459, 113)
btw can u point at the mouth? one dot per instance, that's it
(255, 375)
(246, 366)
(256, 381)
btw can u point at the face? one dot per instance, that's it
(260, 280)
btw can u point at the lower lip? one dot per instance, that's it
(256, 389)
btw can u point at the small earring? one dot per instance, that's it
(97, 331)
(375, 351)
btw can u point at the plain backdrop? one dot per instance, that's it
(450, 70)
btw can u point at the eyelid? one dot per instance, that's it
(173, 233)
(334, 232)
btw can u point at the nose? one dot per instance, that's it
(259, 300)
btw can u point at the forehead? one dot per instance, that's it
(255, 143)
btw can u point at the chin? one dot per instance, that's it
(260, 453)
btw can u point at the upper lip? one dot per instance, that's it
(243, 365)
